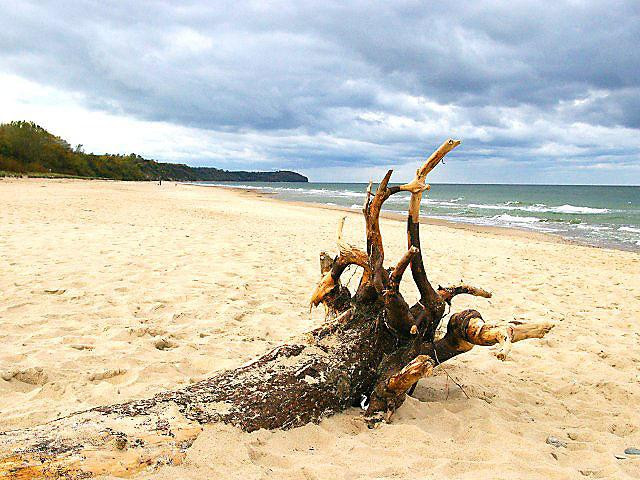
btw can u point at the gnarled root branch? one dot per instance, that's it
(467, 328)
(398, 315)
(447, 293)
(431, 304)
(391, 392)
(419, 367)
(329, 291)
(398, 271)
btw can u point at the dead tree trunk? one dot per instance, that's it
(371, 351)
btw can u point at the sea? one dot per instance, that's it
(604, 216)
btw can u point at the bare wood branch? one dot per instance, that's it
(367, 198)
(430, 300)
(375, 249)
(331, 279)
(390, 391)
(417, 185)
(467, 329)
(349, 255)
(525, 331)
(341, 244)
(398, 271)
(447, 293)
(352, 253)
(419, 367)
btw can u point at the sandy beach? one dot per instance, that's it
(113, 291)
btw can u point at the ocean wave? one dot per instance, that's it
(505, 217)
(430, 202)
(491, 207)
(574, 209)
(629, 229)
(320, 192)
(316, 192)
(441, 203)
(592, 234)
(596, 228)
(540, 208)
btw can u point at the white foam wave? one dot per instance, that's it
(512, 219)
(316, 192)
(403, 199)
(629, 229)
(597, 228)
(491, 207)
(321, 192)
(441, 203)
(541, 208)
(574, 209)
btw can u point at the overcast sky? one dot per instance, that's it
(537, 92)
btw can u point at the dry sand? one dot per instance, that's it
(112, 291)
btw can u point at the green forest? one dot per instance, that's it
(29, 149)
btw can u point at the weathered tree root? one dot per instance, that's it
(372, 350)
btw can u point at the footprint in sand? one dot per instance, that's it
(107, 374)
(272, 309)
(31, 376)
(55, 291)
(239, 316)
(623, 429)
(178, 316)
(164, 344)
(150, 331)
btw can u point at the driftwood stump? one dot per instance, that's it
(371, 351)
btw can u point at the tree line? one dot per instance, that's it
(27, 148)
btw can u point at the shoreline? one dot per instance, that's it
(466, 226)
(498, 230)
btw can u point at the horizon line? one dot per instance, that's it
(450, 183)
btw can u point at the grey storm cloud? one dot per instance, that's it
(388, 76)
